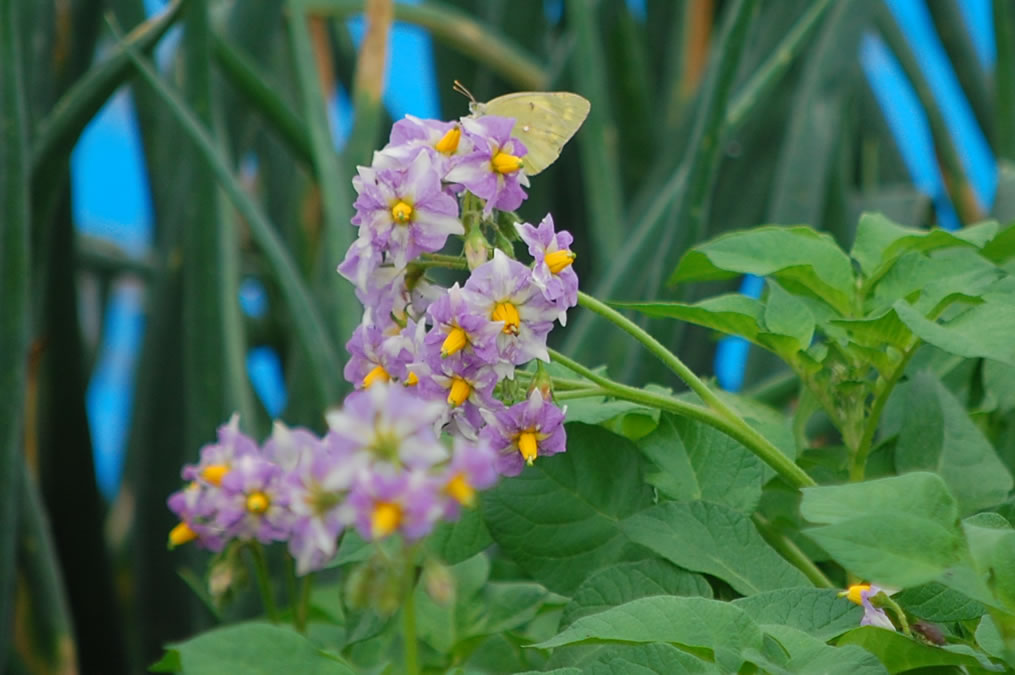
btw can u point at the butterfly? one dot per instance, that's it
(544, 120)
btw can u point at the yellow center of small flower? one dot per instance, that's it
(853, 593)
(401, 212)
(502, 162)
(180, 535)
(378, 373)
(214, 473)
(508, 313)
(460, 490)
(454, 342)
(528, 445)
(385, 519)
(449, 141)
(459, 392)
(558, 260)
(257, 503)
(411, 380)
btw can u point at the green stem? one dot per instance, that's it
(290, 587)
(263, 580)
(409, 621)
(791, 552)
(580, 393)
(302, 610)
(732, 426)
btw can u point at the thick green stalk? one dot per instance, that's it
(732, 425)
(791, 552)
(263, 580)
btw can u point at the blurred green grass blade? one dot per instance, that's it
(214, 371)
(960, 190)
(57, 133)
(675, 218)
(600, 156)
(813, 131)
(770, 73)
(304, 315)
(14, 278)
(255, 87)
(689, 31)
(458, 30)
(368, 85)
(1004, 78)
(46, 636)
(631, 82)
(335, 293)
(953, 29)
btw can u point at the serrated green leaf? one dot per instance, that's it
(691, 622)
(805, 262)
(560, 519)
(628, 581)
(716, 540)
(938, 435)
(809, 654)
(898, 652)
(699, 463)
(936, 602)
(252, 648)
(818, 612)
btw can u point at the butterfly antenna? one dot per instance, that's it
(460, 88)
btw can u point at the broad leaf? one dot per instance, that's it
(716, 540)
(456, 541)
(982, 331)
(938, 435)
(693, 622)
(697, 462)
(787, 315)
(935, 602)
(918, 494)
(809, 654)
(560, 519)
(654, 657)
(629, 581)
(732, 314)
(819, 612)
(898, 652)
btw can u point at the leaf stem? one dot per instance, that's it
(791, 552)
(263, 580)
(572, 394)
(730, 424)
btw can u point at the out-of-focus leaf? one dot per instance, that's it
(960, 46)
(304, 316)
(984, 330)
(809, 654)
(14, 294)
(900, 653)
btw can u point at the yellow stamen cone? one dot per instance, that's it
(460, 490)
(502, 162)
(257, 503)
(459, 392)
(378, 373)
(454, 342)
(214, 473)
(508, 313)
(411, 380)
(180, 535)
(558, 260)
(853, 593)
(449, 141)
(401, 212)
(385, 519)
(528, 446)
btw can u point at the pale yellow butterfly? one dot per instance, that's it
(544, 121)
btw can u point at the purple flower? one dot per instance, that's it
(413, 135)
(195, 506)
(217, 458)
(405, 501)
(459, 325)
(552, 271)
(252, 506)
(861, 594)
(405, 212)
(529, 429)
(290, 448)
(391, 424)
(472, 468)
(465, 387)
(493, 170)
(503, 291)
(375, 354)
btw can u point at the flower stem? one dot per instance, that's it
(572, 394)
(729, 423)
(263, 580)
(302, 609)
(409, 621)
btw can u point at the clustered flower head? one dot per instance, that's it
(437, 412)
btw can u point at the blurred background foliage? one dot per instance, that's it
(707, 116)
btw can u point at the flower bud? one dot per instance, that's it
(477, 249)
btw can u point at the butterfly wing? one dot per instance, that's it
(544, 122)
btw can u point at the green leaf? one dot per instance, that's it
(785, 314)
(560, 519)
(819, 612)
(804, 261)
(809, 654)
(715, 540)
(982, 331)
(15, 224)
(442, 627)
(628, 581)
(597, 409)
(898, 652)
(654, 657)
(988, 638)
(456, 541)
(697, 462)
(877, 331)
(692, 622)
(733, 314)
(935, 602)
(938, 435)
(252, 648)
(919, 494)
